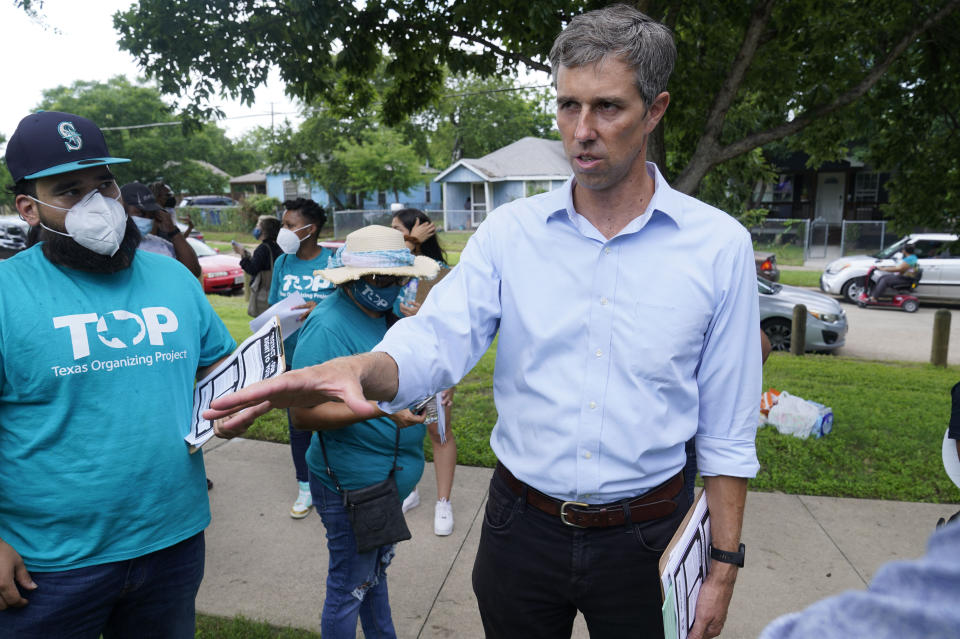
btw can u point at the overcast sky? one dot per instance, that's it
(84, 47)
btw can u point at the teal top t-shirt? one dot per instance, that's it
(96, 392)
(360, 454)
(293, 275)
(911, 261)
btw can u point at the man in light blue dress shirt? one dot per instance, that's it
(627, 316)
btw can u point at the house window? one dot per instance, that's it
(290, 189)
(865, 186)
(426, 194)
(382, 199)
(779, 191)
(537, 186)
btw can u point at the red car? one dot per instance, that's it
(221, 273)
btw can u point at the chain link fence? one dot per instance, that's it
(787, 238)
(864, 237)
(347, 221)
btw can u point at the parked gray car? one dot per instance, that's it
(826, 321)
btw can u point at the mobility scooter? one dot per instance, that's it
(902, 293)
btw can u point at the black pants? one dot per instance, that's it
(533, 573)
(888, 281)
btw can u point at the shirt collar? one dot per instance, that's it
(665, 200)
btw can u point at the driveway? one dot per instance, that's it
(891, 334)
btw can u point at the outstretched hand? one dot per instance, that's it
(335, 380)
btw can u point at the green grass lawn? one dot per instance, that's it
(800, 278)
(786, 253)
(239, 627)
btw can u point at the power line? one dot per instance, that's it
(178, 122)
(275, 113)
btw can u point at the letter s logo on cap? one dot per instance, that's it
(69, 133)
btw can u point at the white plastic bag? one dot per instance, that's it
(792, 415)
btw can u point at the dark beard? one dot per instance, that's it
(64, 251)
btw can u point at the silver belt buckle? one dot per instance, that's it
(563, 514)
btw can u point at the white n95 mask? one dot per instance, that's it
(289, 241)
(95, 222)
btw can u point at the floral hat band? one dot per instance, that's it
(376, 250)
(376, 259)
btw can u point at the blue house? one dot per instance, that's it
(473, 186)
(425, 196)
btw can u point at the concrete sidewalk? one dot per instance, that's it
(264, 565)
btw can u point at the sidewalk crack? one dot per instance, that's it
(833, 541)
(456, 557)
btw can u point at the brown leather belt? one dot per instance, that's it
(651, 505)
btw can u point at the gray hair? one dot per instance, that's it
(622, 32)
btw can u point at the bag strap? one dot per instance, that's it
(326, 462)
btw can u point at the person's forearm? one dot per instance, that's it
(185, 254)
(327, 416)
(726, 497)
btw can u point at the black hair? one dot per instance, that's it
(271, 227)
(23, 186)
(431, 247)
(910, 249)
(310, 210)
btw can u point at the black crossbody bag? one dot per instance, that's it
(376, 511)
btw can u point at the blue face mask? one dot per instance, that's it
(144, 224)
(256, 233)
(379, 300)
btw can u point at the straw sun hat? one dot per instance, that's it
(376, 250)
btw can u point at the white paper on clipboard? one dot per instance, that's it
(259, 357)
(283, 311)
(683, 568)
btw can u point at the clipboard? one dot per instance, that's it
(683, 568)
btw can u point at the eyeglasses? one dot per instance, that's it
(383, 281)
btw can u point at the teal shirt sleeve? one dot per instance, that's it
(215, 340)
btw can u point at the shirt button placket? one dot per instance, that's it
(599, 335)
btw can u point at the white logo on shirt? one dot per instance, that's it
(302, 283)
(155, 321)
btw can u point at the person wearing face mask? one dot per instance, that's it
(295, 271)
(259, 264)
(160, 234)
(163, 193)
(369, 272)
(102, 507)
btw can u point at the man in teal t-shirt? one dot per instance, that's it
(102, 507)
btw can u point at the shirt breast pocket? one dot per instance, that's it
(667, 340)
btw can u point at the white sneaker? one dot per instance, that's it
(443, 518)
(412, 501)
(301, 507)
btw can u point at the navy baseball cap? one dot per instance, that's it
(53, 142)
(138, 195)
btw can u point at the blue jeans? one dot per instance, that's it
(356, 582)
(299, 443)
(149, 596)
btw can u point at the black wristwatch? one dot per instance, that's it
(727, 557)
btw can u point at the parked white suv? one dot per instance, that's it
(939, 258)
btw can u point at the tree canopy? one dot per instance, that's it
(155, 152)
(815, 74)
